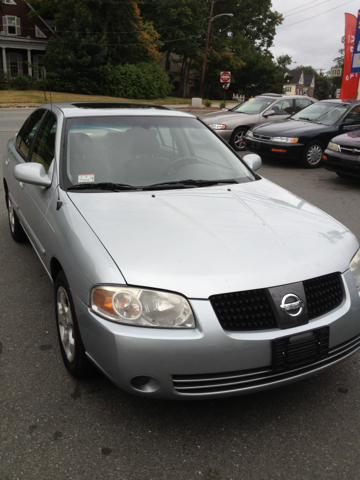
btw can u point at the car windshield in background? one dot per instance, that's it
(124, 152)
(253, 106)
(326, 114)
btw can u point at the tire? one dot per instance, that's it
(71, 345)
(312, 156)
(237, 138)
(16, 229)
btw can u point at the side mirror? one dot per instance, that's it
(269, 113)
(253, 161)
(32, 173)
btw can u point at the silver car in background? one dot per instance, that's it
(233, 124)
(178, 271)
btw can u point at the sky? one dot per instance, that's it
(311, 31)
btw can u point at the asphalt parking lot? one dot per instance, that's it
(55, 427)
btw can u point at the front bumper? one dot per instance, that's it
(274, 149)
(224, 134)
(342, 163)
(209, 362)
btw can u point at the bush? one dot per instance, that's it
(22, 82)
(4, 80)
(143, 80)
(223, 104)
(207, 103)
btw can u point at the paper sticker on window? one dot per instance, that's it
(86, 178)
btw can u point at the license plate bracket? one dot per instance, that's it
(294, 351)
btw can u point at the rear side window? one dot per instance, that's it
(27, 133)
(44, 146)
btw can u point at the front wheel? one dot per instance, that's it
(16, 229)
(312, 156)
(237, 138)
(71, 345)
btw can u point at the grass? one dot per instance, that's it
(34, 97)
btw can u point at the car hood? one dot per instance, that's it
(225, 115)
(289, 127)
(351, 139)
(205, 241)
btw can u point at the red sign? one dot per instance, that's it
(225, 77)
(350, 81)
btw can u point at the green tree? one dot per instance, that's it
(91, 35)
(183, 27)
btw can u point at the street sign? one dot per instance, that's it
(225, 77)
(226, 85)
(336, 72)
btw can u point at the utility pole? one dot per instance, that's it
(206, 50)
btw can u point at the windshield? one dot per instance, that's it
(253, 106)
(324, 113)
(115, 153)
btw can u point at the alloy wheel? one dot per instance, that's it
(65, 323)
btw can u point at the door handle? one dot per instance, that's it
(7, 162)
(21, 185)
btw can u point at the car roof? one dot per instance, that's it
(284, 95)
(97, 109)
(338, 101)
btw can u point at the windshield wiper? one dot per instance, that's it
(114, 187)
(309, 119)
(188, 183)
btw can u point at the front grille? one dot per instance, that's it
(323, 294)
(241, 311)
(251, 310)
(350, 151)
(261, 137)
(243, 380)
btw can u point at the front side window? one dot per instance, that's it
(283, 107)
(143, 151)
(44, 146)
(27, 133)
(301, 103)
(354, 115)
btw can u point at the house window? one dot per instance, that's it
(38, 63)
(14, 64)
(11, 25)
(39, 33)
(287, 89)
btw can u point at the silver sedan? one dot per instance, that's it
(233, 124)
(178, 271)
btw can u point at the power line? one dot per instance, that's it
(303, 5)
(116, 32)
(305, 9)
(314, 16)
(160, 42)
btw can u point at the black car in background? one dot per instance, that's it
(305, 135)
(343, 155)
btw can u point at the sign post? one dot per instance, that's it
(225, 78)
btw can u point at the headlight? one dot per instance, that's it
(249, 133)
(333, 146)
(217, 126)
(355, 269)
(147, 308)
(284, 139)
